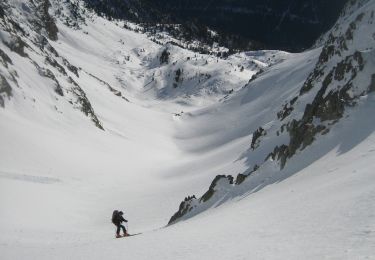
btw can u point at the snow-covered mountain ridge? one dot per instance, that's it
(343, 76)
(96, 117)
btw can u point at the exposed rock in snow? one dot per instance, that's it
(341, 77)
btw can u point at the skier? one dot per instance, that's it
(117, 219)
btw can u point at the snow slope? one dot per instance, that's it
(61, 175)
(47, 169)
(314, 214)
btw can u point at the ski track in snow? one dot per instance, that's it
(29, 178)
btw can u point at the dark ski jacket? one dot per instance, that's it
(118, 219)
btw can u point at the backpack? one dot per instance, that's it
(114, 216)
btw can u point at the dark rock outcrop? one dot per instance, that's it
(256, 135)
(185, 207)
(371, 88)
(48, 21)
(211, 190)
(177, 78)
(189, 203)
(335, 73)
(285, 112)
(242, 176)
(4, 59)
(2, 12)
(44, 72)
(17, 45)
(325, 106)
(52, 62)
(279, 153)
(5, 89)
(114, 91)
(164, 57)
(84, 103)
(71, 67)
